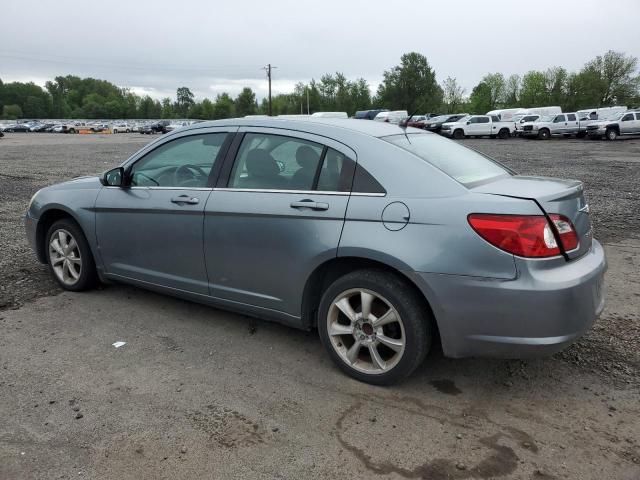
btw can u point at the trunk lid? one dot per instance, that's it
(564, 197)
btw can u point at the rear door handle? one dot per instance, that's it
(310, 204)
(185, 199)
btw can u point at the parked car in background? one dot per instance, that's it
(602, 113)
(368, 114)
(16, 128)
(121, 128)
(564, 124)
(416, 121)
(434, 124)
(520, 119)
(504, 114)
(478, 126)
(42, 127)
(624, 123)
(156, 127)
(446, 245)
(394, 117)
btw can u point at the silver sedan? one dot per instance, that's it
(384, 238)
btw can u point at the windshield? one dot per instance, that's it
(462, 119)
(439, 118)
(461, 163)
(547, 118)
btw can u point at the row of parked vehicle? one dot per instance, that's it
(44, 126)
(541, 122)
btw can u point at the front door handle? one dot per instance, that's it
(185, 199)
(310, 204)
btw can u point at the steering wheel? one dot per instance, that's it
(185, 173)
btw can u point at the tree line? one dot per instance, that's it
(610, 79)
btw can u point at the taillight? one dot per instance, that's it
(568, 234)
(525, 235)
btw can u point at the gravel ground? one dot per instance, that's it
(182, 400)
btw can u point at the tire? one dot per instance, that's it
(458, 134)
(71, 130)
(127, 131)
(611, 134)
(581, 134)
(503, 134)
(73, 268)
(352, 342)
(544, 134)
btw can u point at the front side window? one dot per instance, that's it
(483, 120)
(559, 118)
(627, 117)
(185, 162)
(277, 162)
(467, 166)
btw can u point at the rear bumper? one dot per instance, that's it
(546, 308)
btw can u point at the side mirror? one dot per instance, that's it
(469, 123)
(280, 165)
(113, 177)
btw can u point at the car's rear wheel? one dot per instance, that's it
(69, 256)
(612, 134)
(375, 328)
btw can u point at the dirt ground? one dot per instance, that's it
(201, 393)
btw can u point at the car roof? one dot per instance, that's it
(310, 124)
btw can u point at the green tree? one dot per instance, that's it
(608, 80)
(11, 112)
(223, 108)
(167, 109)
(534, 90)
(184, 100)
(245, 103)
(453, 95)
(480, 101)
(511, 95)
(411, 85)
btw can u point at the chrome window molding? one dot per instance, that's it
(256, 190)
(299, 192)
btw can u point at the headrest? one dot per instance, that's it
(306, 157)
(261, 164)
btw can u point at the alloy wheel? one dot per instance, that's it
(64, 257)
(366, 331)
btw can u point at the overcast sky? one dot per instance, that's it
(214, 46)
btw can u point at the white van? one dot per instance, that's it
(330, 114)
(600, 113)
(395, 116)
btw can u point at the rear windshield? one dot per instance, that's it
(467, 166)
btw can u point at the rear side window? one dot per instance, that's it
(494, 118)
(571, 117)
(638, 116)
(278, 162)
(467, 166)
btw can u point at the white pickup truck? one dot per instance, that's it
(478, 126)
(562, 124)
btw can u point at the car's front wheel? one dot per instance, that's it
(69, 256)
(375, 328)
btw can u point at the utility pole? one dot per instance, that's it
(307, 101)
(268, 69)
